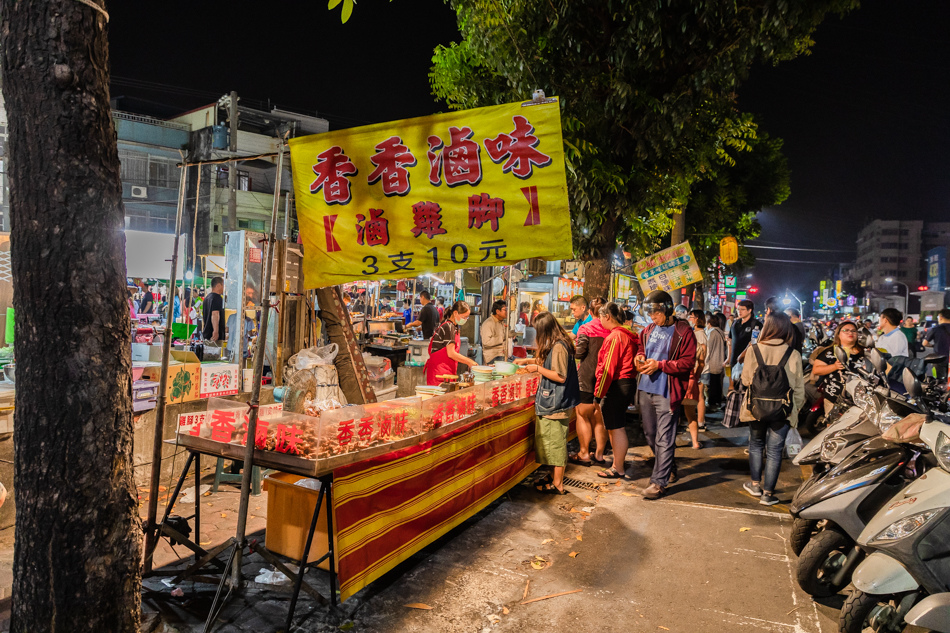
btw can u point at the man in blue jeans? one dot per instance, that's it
(670, 353)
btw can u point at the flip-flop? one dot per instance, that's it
(550, 489)
(574, 458)
(611, 473)
(547, 479)
(600, 462)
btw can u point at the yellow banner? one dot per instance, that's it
(476, 188)
(671, 268)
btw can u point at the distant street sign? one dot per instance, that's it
(730, 283)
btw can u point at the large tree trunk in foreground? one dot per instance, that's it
(599, 267)
(77, 556)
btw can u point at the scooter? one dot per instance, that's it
(844, 498)
(848, 469)
(909, 539)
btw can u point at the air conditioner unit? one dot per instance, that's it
(140, 192)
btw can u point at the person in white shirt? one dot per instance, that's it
(891, 339)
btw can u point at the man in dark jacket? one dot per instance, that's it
(665, 366)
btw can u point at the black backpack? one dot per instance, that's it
(770, 394)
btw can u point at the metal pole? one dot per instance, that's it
(258, 372)
(232, 224)
(151, 535)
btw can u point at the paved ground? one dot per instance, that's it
(706, 558)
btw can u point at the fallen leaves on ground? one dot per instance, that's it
(505, 611)
(224, 515)
(580, 538)
(547, 540)
(573, 554)
(744, 529)
(663, 627)
(628, 494)
(539, 563)
(418, 605)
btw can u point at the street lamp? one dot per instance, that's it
(891, 280)
(801, 304)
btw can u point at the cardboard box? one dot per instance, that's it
(146, 352)
(219, 379)
(184, 376)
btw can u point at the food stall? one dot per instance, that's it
(398, 474)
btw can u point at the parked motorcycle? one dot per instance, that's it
(909, 539)
(848, 470)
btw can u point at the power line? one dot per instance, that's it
(815, 250)
(797, 261)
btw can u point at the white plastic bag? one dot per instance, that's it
(793, 443)
(309, 358)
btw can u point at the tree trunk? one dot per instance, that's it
(77, 557)
(597, 274)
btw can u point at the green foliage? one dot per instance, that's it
(726, 200)
(647, 91)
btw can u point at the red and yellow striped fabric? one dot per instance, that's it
(388, 508)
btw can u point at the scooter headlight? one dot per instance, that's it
(942, 451)
(887, 418)
(830, 447)
(904, 527)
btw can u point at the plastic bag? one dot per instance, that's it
(309, 358)
(310, 484)
(268, 577)
(793, 443)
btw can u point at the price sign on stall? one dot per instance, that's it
(475, 188)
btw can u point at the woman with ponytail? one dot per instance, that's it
(444, 347)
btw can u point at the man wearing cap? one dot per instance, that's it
(665, 366)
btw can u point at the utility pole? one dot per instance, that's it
(232, 223)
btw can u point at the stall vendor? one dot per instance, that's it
(428, 317)
(444, 347)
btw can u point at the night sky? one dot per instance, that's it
(865, 117)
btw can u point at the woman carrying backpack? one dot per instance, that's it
(775, 392)
(557, 394)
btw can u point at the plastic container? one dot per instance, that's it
(289, 512)
(503, 368)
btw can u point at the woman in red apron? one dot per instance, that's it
(444, 347)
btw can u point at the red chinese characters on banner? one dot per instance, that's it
(451, 410)
(287, 438)
(459, 162)
(468, 404)
(344, 432)
(427, 218)
(399, 423)
(531, 386)
(375, 231)
(260, 434)
(484, 209)
(385, 425)
(222, 425)
(332, 169)
(392, 159)
(517, 149)
(496, 395)
(365, 431)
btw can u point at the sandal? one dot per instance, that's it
(600, 462)
(611, 473)
(550, 489)
(574, 458)
(546, 479)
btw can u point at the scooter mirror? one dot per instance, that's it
(877, 361)
(911, 384)
(841, 355)
(864, 337)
